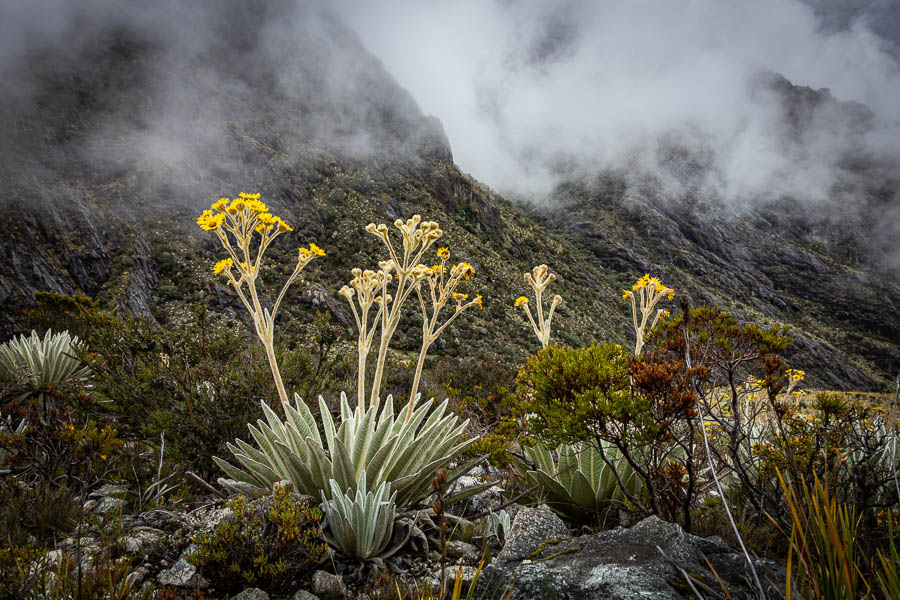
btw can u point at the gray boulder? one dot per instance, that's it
(252, 594)
(458, 550)
(466, 574)
(621, 563)
(531, 528)
(142, 540)
(183, 573)
(327, 585)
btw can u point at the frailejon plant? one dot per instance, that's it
(645, 294)
(539, 278)
(361, 522)
(498, 524)
(406, 453)
(401, 274)
(41, 365)
(246, 228)
(579, 484)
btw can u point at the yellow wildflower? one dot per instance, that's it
(282, 226)
(642, 282)
(521, 300)
(478, 301)
(256, 206)
(267, 218)
(626, 294)
(236, 206)
(209, 221)
(467, 270)
(221, 204)
(249, 196)
(459, 297)
(443, 253)
(315, 250)
(303, 253)
(223, 264)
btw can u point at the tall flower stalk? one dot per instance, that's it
(539, 278)
(441, 291)
(644, 295)
(246, 228)
(387, 289)
(365, 286)
(406, 269)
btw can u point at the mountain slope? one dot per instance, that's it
(118, 141)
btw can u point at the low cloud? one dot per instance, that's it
(533, 92)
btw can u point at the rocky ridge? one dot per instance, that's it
(119, 145)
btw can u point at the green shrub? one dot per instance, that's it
(639, 406)
(199, 383)
(564, 390)
(28, 573)
(16, 572)
(271, 542)
(50, 467)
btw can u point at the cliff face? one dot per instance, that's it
(115, 143)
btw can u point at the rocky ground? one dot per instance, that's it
(539, 557)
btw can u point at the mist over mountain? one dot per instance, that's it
(534, 94)
(699, 143)
(160, 89)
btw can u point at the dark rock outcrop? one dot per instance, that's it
(637, 563)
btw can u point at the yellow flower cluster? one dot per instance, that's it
(652, 284)
(266, 221)
(243, 209)
(539, 278)
(209, 221)
(644, 295)
(796, 375)
(313, 250)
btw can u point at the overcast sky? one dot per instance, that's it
(529, 88)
